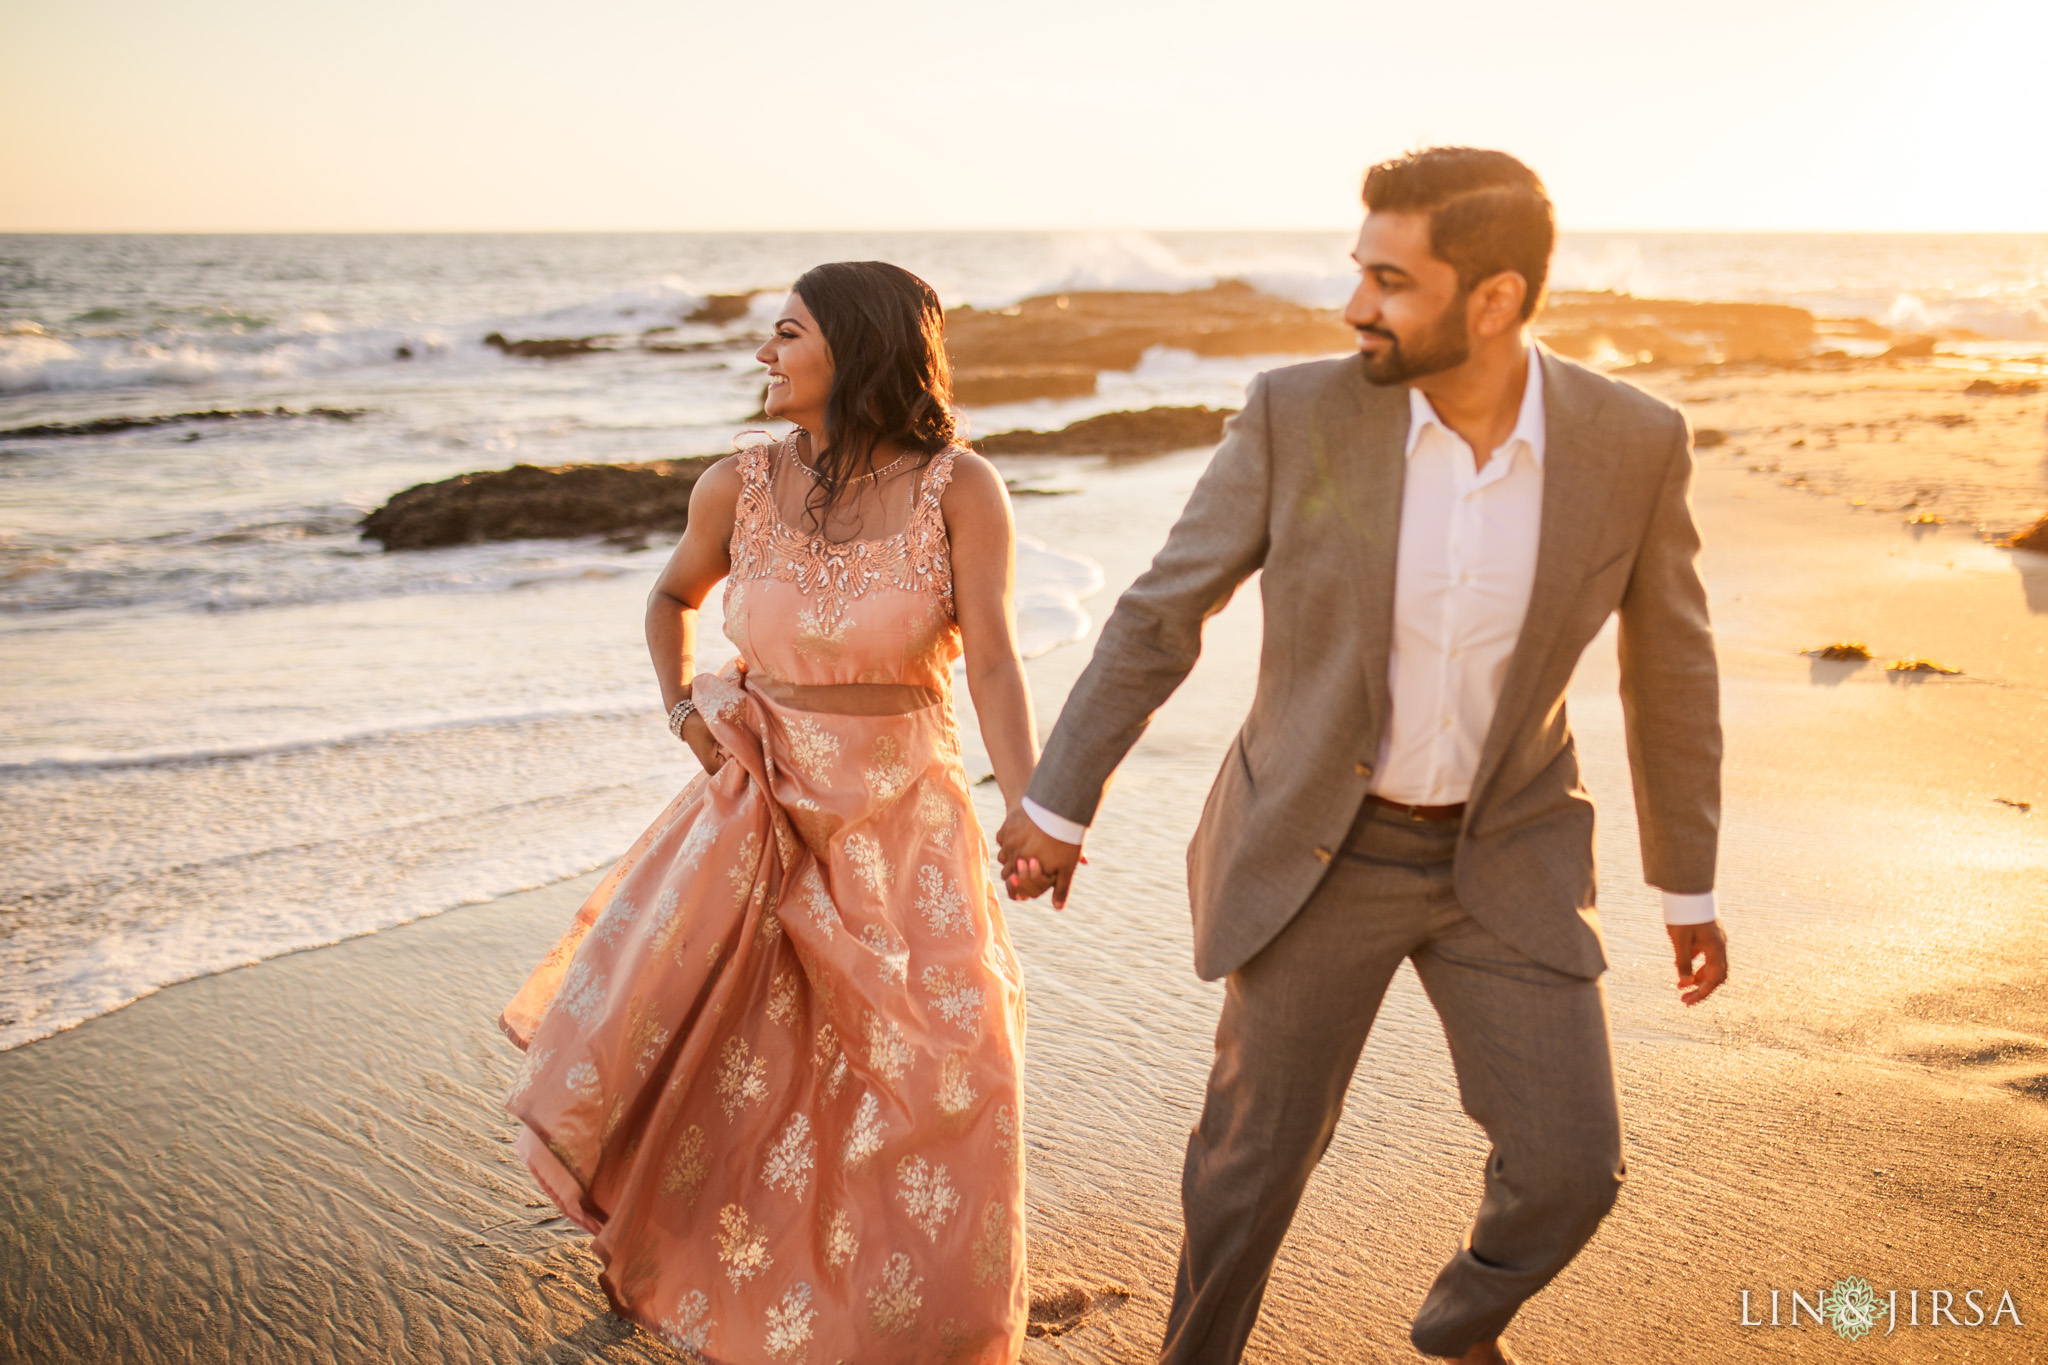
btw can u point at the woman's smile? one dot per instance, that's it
(799, 368)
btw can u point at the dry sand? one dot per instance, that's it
(304, 1160)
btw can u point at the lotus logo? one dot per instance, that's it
(1852, 1307)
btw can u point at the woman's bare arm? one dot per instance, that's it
(700, 560)
(977, 512)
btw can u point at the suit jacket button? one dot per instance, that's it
(1362, 769)
(1323, 855)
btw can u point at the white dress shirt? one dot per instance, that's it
(1464, 569)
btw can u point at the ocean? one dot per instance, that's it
(229, 728)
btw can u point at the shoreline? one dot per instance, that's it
(303, 1159)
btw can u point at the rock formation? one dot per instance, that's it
(529, 502)
(548, 348)
(104, 426)
(1601, 325)
(719, 309)
(1053, 345)
(1153, 431)
(987, 385)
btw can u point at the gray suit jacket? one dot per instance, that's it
(1306, 486)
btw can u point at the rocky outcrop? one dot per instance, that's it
(693, 347)
(104, 426)
(549, 348)
(1053, 345)
(1992, 388)
(719, 309)
(987, 385)
(1153, 431)
(529, 502)
(1608, 327)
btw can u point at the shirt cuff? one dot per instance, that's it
(1065, 830)
(1693, 909)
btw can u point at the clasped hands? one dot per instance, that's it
(1034, 861)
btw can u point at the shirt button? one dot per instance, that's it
(1323, 855)
(1362, 769)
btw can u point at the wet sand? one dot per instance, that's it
(304, 1160)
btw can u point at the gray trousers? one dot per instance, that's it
(1534, 1067)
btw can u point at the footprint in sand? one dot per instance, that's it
(1059, 1306)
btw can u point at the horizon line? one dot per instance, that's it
(960, 231)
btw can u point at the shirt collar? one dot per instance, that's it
(1528, 422)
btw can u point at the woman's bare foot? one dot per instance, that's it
(1487, 1353)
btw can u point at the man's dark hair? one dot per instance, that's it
(1487, 212)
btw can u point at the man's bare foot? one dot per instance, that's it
(1487, 1353)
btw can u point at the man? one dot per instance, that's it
(1443, 522)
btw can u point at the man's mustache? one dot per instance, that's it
(1366, 329)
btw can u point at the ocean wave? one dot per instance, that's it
(2000, 319)
(101, 941)
(1137, 262)
(80, 760)
(315, 558)
(41, 363)
(188, 352)
(1129, 261)
(1050, 589)
(1905, 283)
(665, 303)
(279, 564)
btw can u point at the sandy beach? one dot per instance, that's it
(304, 1160)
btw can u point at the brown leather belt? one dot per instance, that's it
(1456, 812)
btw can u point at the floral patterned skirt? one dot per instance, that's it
(773, 1066)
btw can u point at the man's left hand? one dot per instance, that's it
(1702, 952)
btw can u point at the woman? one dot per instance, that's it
(773, 1067)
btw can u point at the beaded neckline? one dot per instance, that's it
(834, 573)
(934, 486)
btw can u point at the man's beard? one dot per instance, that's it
(1444, 346)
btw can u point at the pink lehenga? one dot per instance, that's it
(773, 1066)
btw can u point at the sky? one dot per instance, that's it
(235, 115)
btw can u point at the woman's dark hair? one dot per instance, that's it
(886, 333)
(1487, 212)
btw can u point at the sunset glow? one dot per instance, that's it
(1881, 115)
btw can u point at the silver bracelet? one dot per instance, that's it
(681, 712)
